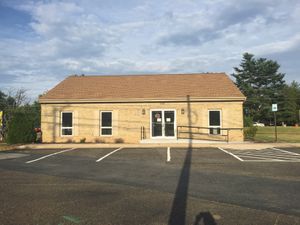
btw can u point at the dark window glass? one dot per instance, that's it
(67, 120)
(66, 131)
(106, 131)
(156, 116)
(156, 123)
(214, 118)
(169, 116)
(169, 123)
(169, 130)
(106, 119)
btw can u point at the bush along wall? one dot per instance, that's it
(21, 128)
(250, 132)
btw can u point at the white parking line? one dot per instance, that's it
(268, 156)
(46, 156)
(291, 153)
(168, 155)
(267, 161)
(98, 160)
(264, 155)
(259, 157)
(231, 154)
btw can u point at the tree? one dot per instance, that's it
(2, 101)
(23, 120)
(261, 83)
(2, 106)
(290, 111)
(20, 98)
(21, 127)
(17, 98)
(35, 110)
(20, 117)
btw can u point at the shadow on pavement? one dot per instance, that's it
(178, 211)
(206, 217)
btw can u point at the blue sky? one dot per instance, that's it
(42, 42)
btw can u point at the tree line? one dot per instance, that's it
(261, 82)
(19, 117)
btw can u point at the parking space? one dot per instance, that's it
(28, 155)
(36, 155)
(194, 182)
(153, 155)
(263, 155)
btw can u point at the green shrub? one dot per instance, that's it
(250, 132)
(82, 140)
(21, 128)
(248, 121)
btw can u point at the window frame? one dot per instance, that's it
(106, 127)
(61, 124)
(213, 126)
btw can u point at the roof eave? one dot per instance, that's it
(138, 100)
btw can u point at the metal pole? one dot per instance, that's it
(275, 126)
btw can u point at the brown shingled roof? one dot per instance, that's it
(161, 86)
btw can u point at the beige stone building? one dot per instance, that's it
(143, 108)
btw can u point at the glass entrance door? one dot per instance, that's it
(169, 123)
(157, 124)
(163, 123)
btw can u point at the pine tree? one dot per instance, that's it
(261, 83)
(290, 112)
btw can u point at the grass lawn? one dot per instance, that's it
(284, 134)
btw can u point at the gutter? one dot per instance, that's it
(141, 100)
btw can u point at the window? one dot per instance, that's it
(214, 121)
(66, 123)
(106, 124)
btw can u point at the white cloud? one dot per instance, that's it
(277, 46)
(51, 17)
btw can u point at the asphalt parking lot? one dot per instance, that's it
(150, 186)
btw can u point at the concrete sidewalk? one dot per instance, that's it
(240, 146)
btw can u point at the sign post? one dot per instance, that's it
(275, 109)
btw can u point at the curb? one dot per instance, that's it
(9, 147)
(240, 145)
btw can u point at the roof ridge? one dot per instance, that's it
(154, 74)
